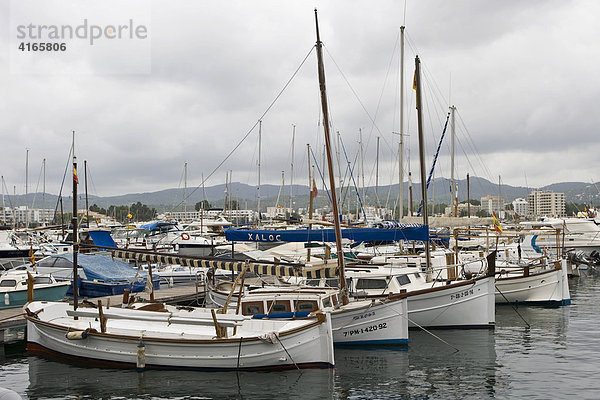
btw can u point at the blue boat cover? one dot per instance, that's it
(102, 239)
(417, 233)
(103, 268)
(157, 225)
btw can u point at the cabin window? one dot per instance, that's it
(335, 300)
(8, 283)
(41, 280)
(306, 305)
(327, 302)
(313, 282)
(403, 280)
(332, 282)
(363, 283)
(252, 307)
(278, 306)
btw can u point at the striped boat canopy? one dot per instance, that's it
(298, 270)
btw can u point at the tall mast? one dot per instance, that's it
(259, 149)
(75, 232)
(362, 166)
(422, 158)
(292, 171)
(334, 204)
(401, 144)
(44, 190)
(452, 182)
(87, 205)
(377, 177)
(26, 187)
(310, 198)
(3, 204)
(185, 190)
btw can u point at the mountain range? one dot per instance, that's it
(246, 195)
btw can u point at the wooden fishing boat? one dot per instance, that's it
(177, 338)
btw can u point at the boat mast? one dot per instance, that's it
(87, 205)
(44, 191)
(377, 179)
(453, 183)
(26, 187)
(75, 233)
(259, 149)
(422, 159)
(401, 144)
(310, 199)
(3, 204)
(292, 171)
(334, 204)
(185, 191)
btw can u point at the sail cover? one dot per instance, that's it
(299, 270)
(417, 233)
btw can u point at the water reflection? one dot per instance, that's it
(428, 369)
(54, 379)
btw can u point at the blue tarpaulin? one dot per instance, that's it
(417, 233)
(103, 268)
(102, 239)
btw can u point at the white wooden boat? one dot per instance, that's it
(178, 338)
(360, 322)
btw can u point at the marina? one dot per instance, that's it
(375, 277)
(514, 360)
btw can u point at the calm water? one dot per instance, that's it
(556, 357)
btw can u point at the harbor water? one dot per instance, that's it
(534, 353)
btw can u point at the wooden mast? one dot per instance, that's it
(75, 232)
(334, 204)
(422, 158)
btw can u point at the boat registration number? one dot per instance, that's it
(368, 329)
(462, 294)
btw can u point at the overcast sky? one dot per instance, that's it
(522, 75)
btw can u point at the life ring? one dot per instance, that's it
(185, 236)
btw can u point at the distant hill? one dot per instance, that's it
(246, 195)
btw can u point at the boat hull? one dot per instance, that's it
(468, 304)
(18, 298)
(548, 287)
(177, 346)
(371, 323)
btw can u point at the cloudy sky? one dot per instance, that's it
(522, 75)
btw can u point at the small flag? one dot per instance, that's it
(75, 175)
(314, 189)
(129, 216)
(415, 81)
(497, 225)
(31, 256)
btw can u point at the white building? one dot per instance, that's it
(493, 204)
(520, 207)
(24, 216)
(546, 204)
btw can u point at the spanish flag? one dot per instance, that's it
(129, 216)
(497, 225)
(314, 190)
(75, 175)
(415, 80)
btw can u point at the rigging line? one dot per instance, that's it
(354, 182)
(37, 186)
(252, 128)
(355, 95)
(321, 174)
(435, 159)
(62, 183)
(476, 151)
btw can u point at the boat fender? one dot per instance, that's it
(185, 236)
(76, 335)
(141, 356)
(6, 299)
